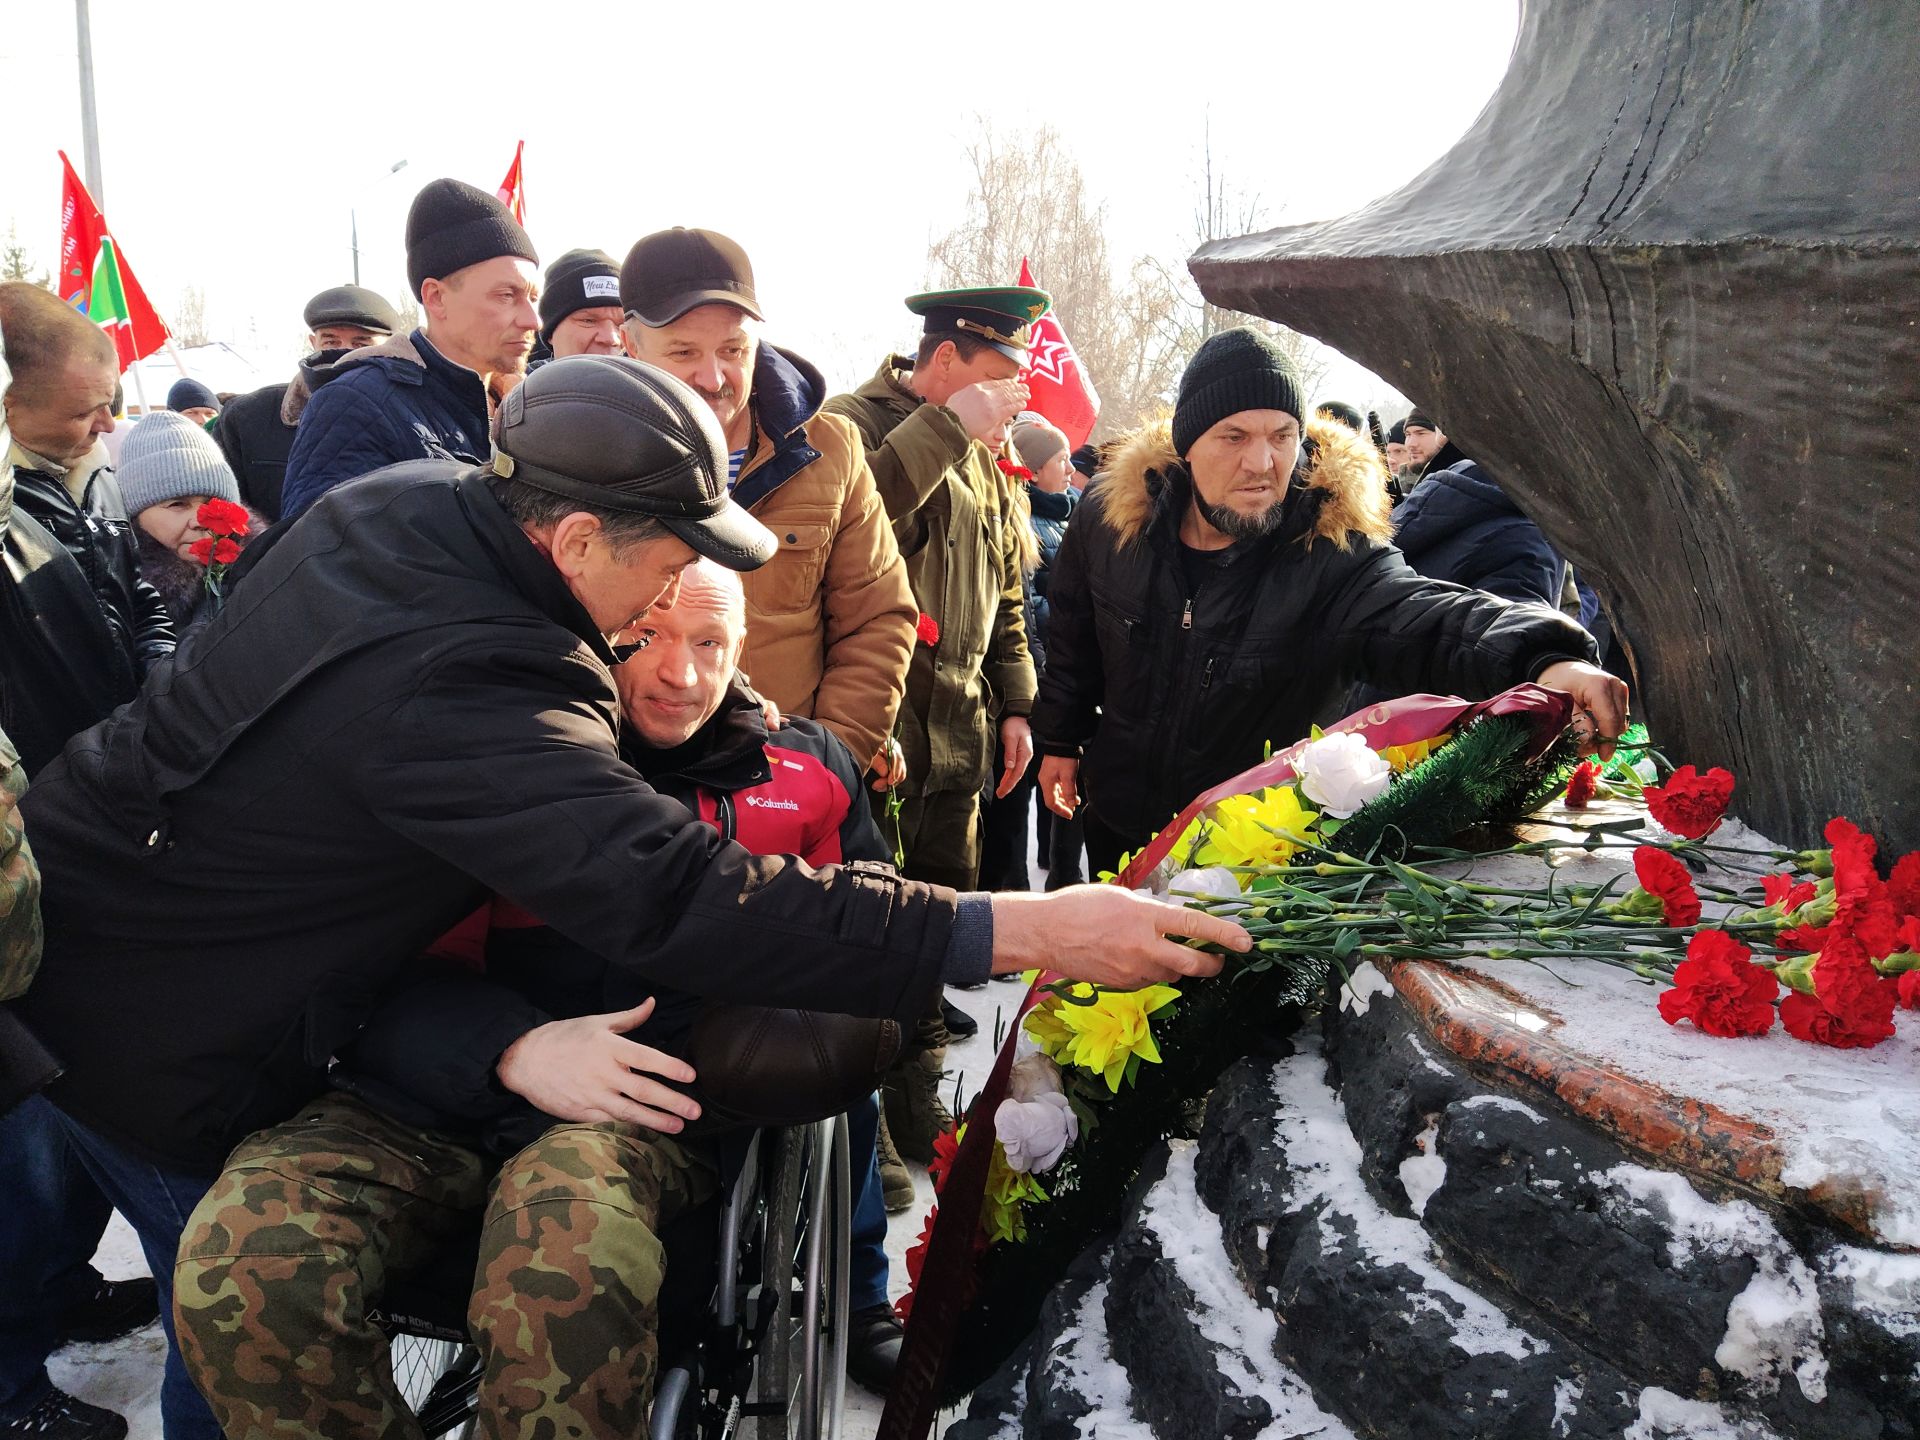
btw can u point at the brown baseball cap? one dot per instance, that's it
(670, 272)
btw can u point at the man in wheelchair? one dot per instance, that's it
(284, 1261)
(407, 704)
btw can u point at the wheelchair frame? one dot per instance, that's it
(772, 1349)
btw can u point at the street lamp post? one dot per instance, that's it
(353, 217)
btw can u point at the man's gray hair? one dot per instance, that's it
(542, 509)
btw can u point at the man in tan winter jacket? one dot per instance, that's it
(830, 619)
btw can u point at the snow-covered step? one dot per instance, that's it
(1698, 1288)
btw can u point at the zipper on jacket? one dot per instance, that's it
(723, 812)
(1206, 675)
(1186, 615)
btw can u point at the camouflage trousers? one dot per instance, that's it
(281, 1262)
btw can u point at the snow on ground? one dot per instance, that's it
(1667, 1416)
(1773, 1326)
(1244, 1332)
(1325, 1165)
(1837, 1115)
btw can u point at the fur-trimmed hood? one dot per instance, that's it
(1343, 468)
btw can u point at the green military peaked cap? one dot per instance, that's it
(1001, 315)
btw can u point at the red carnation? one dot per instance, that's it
(1805, 937)
(1720, 989)
(928, 629)
(1786, 893)
(1013, 471)
(1662, 875)
(222, 517)
(1691, 805)
(1907, 989)
(1904, 884)
(1863, 904)
(1580, 785)
(202, 549)
(1864, 1025)
(226, 551)
(1851, 1007)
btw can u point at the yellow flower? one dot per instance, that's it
(1405, 757)
(1255, 829)
(1007, 1189)
(1104, 1036)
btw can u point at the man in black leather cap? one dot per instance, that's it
(256, 429)
(407, 704)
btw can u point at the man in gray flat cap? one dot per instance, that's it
(256, 429)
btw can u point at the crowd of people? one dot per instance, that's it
(399, 760)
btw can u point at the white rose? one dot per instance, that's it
(1339, 773)
(1033, 1076)
(1215, 882)
(1035, 1133)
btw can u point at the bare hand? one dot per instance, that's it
(586, 1069)
(1107, 935)
(1016, 738)
(1060, 784)
(1600, 702)
(770, 713)
(889, 767)
(987, 407)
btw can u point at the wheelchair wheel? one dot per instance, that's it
(802, 1371)
(780, 1267)
(439, 1380)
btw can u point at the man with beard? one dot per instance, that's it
(429, 395)
(1429, 451)
(1223, 582)
(256, 429)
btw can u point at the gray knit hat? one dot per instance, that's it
(168, 456)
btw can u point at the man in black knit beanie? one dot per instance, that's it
(429, 395)
(1225, 580)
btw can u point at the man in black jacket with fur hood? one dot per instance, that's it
(1225, 582)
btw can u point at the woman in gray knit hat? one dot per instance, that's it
(170, 467)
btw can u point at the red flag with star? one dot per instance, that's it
(513, 189)
(1057, 386)
(97, 281)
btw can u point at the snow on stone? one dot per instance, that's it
(1243, 1334)
(1082, 1351)
(1503, 1102)
(1566, 1395)
(1362, 984)
(1423, 1172)
(1667, 1416)
(1773, 1326)
(1325, 1161)
(1886, 1287)
(1842, 1118)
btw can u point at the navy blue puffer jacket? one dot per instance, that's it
(1459, 525)
(401, 400)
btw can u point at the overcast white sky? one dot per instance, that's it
(827, 139)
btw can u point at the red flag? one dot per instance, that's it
(97, 281)
(1058, 386)
(513, 189)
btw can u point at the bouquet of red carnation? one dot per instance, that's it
(226, 525)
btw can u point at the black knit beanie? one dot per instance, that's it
(578, 280)
(1236, 370)
(453, 225)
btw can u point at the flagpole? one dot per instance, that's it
(139, 388)
(89, 121)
